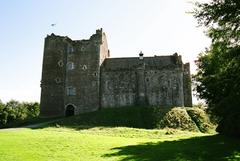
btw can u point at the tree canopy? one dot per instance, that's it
(222, 18)
(218, 74)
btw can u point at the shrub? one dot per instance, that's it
(201, 119)
(178, 118)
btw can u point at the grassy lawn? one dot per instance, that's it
(88, 143)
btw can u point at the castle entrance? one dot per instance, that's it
(69, 110)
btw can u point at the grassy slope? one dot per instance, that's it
(191, 119)
(113, 144)
(92, 137)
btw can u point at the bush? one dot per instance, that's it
(14, 111)
(178, 118)
(201, 119)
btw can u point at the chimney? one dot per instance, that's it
(141, 55)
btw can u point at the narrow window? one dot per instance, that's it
(60, 63)
(84, 67)
(70, 49)
(58, 80)
(82, 48)
(70, 65)
(71, 91)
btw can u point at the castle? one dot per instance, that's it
(78, 76)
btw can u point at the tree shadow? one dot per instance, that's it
(206, 148)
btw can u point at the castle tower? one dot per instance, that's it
(53, 76)
(71, 74)
(83, 73)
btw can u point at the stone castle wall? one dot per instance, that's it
(148, 81)
(80, 74)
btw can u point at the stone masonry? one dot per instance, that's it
(78, 76)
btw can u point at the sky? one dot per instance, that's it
(156, 27)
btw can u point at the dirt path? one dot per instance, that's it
(31, 126)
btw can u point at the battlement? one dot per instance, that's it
(98, 36)
(156, 62)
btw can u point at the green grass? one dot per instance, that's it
(86, 143)
(115, 135)
(36, 120)
(191, 119)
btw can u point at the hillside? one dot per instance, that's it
(190, 119)
(100, 136)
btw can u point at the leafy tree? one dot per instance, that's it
(3, 115)
(222, 18)
(218, 76)
(32, 108)
(14, 112)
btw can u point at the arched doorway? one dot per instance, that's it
(69, 110)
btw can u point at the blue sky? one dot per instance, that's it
(157, 27)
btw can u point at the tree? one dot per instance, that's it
(14, 112)
(218, 75)
(222, 18)
(32, 108)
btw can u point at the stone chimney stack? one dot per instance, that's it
(141, 55)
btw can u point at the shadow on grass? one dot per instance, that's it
(206, 148)
(56, 125)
